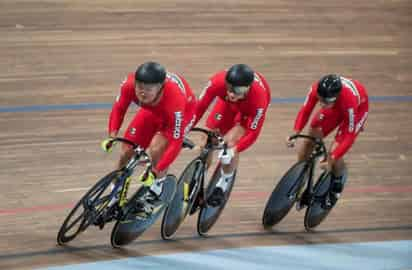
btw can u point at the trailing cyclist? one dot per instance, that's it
(344, 104)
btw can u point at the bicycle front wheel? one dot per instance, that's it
(208, 215)
(284, 195)
(187, 190)
(86, 210)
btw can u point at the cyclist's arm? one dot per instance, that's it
(248, 139)
(174, 134)
(209, 93)
(253, 129)
(119, 108)
(349, 129)
(306, 110)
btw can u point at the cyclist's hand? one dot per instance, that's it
(226, 158)
(107, 144)
(290, 142)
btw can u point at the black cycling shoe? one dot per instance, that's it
(216, 198)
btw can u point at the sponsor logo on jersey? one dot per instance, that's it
(351, 119)
(259, 114)
(178, 124)
(321, 116)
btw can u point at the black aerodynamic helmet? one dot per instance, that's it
(240, 75)
(150, 72)
(329, 87)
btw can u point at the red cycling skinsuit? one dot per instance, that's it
(249, 112)
(349, 113)
(172, 116)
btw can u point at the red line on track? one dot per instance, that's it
(235, 194)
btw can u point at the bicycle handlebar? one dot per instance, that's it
(212, 135)
(319, 142)
(209, 133)
(137, 148)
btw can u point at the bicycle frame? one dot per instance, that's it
(124, 179)
(319, 150)
(210, 145)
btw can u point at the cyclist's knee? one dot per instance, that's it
(157, 147)
(316, 132)
(234, 134)
(307, 145)
(305, 151)
(125, 157)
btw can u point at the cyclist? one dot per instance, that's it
(344, 104)
(242, 98)
(166, 108)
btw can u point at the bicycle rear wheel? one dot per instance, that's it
(316, 213)
(178, 209)
(86, 210)
(208, 215)
(133, 224)
(285, 194)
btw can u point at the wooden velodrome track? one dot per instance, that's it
(76, 52)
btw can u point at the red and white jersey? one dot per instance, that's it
(253, 106)
(176, 102)
(350, 104)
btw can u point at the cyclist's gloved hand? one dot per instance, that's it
(107, 144)
(226, 158)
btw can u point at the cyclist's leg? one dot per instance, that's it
(221, 119)
(232, 137)
(157, 147)
(141, 130)
(322, 124)
(339, 170)
(161, 139)
(227, 170)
